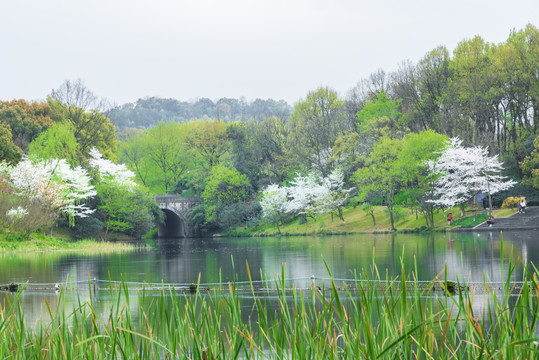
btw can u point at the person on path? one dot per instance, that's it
(449, 219)
(522, 206)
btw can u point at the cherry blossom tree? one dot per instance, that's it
(307, 195)
(109, 171)
(74, 188)
(44, 189)
(333, 196)
(303, 193)
(274, 203)
(466, 172)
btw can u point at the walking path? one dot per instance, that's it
(527, 221)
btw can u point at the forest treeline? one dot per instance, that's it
(148, 112)
(384, 131)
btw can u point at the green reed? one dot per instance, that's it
(364, 320)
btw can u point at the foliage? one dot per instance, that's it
(274, 204)
(308, 195)
(382, 174)
(158, 156)
(314, 126)
(380, 117)
(148, 112)
(123, 205)
(197, 219)
(415, 163)
(85, 111)
(42, 190)
(107, 171)
(349, 153)
(224, 187)
(530, 166)
(530, 193)
(57, 142)
(89, 227)
(9, 152)
(27, 120)
(238, 214)
(511, 202)
(208, 143)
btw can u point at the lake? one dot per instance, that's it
(469, 256)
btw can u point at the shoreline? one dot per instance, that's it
(45, 244)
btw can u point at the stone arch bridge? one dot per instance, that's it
(175, 208)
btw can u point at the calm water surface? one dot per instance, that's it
(469, 256)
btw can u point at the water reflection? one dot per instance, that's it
(469, 256)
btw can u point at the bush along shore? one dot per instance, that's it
(370, 318)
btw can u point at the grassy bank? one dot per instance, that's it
(371, 318)
(40, 242)
(357, 221)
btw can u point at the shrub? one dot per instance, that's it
(238, 214)
(511, 202)
(88, 228)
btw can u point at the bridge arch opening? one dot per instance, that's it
(174, 225)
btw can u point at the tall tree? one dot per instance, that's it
(165, 149)
(57, 142)
(382, 173)
(86, 111)
(207, 140)
(9, 152)
(314, 126)
(27, 120)
(464, 173)
(418, 176)
(225, 186)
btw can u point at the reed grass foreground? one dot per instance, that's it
(401, 319)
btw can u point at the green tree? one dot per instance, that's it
(380, 117)
(269, 138)
(208, 142)
(313, 128)
(57, 142)
(349, 153)
(530, 167)
(225, 186)
(9, 152)
(132, 152)
(418, 177)
(166, 151)
(158, 156)
(92, 128)
(382, 173)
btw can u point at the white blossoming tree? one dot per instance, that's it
(333, 197)
(274, 203)
(39, 191)
(303, 193)
(118, 174)
(75, 187)
(466, 172)
(308, 195)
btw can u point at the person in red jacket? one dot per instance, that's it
(449, 218)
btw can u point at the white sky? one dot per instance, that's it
(280, 49)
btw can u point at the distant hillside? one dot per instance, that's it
(148, 112)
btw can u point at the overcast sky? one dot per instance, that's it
(280, 49)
